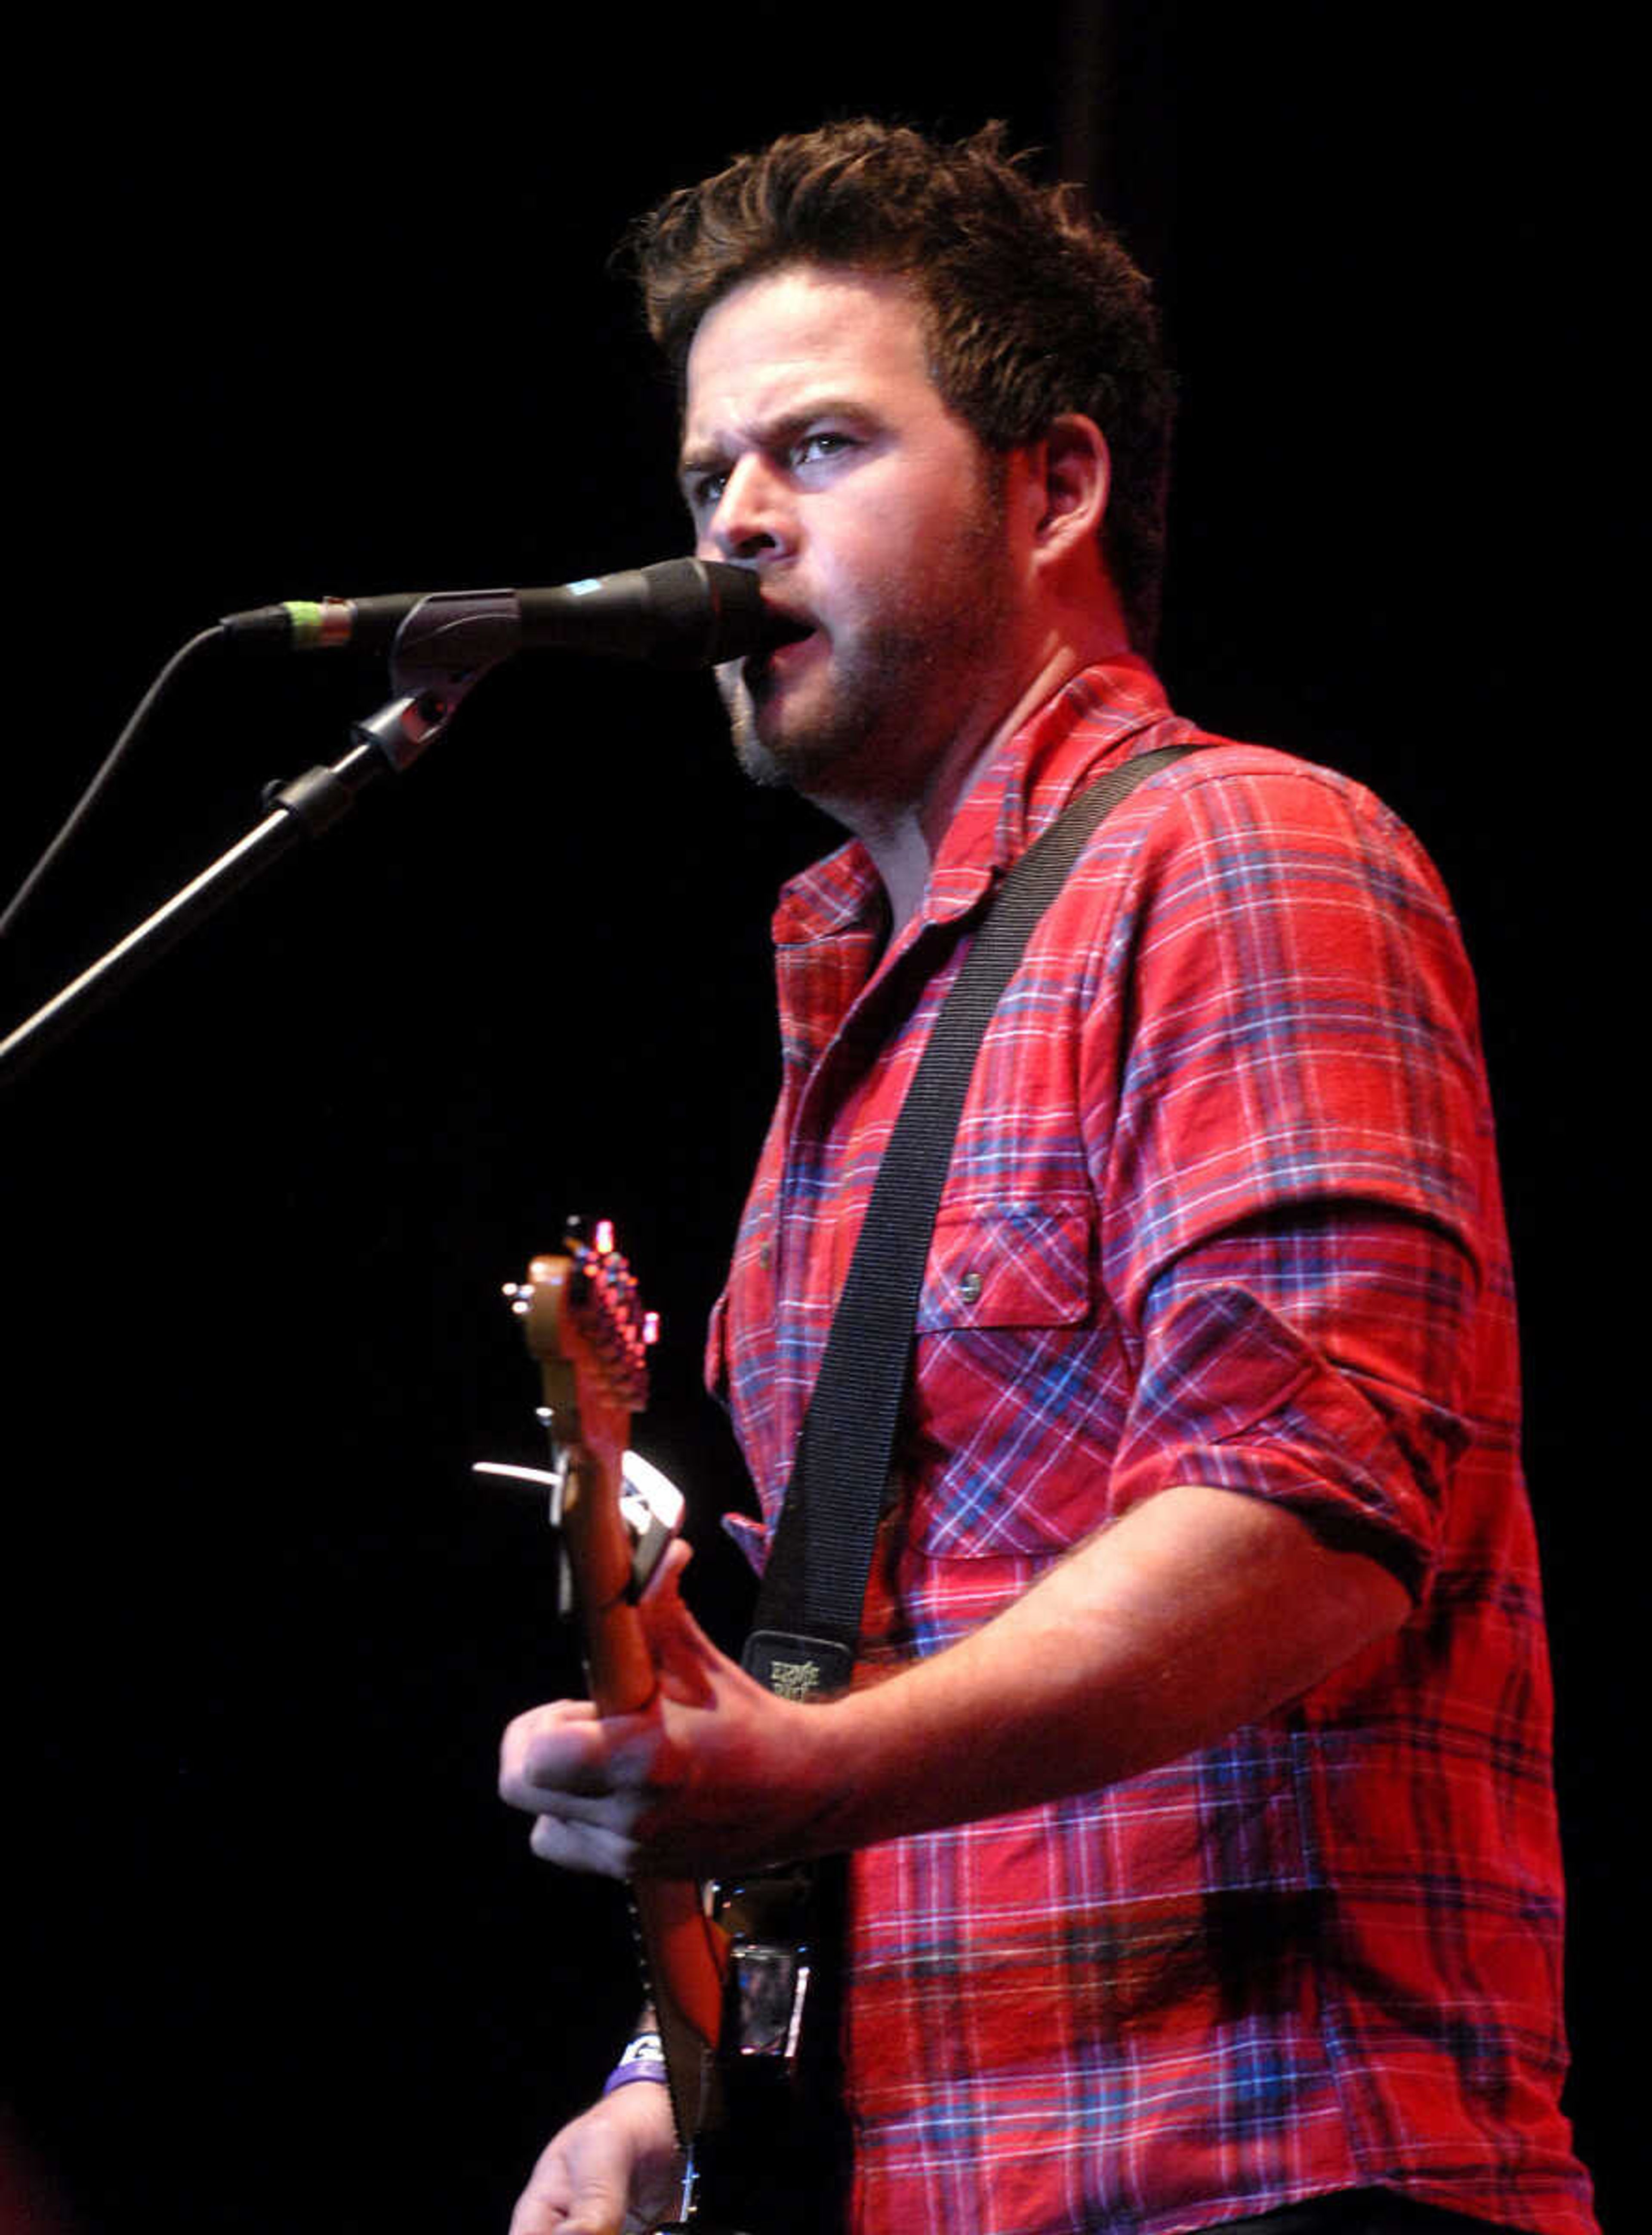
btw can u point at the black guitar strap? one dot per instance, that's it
(806, 1625)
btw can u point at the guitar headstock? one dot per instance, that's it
(585, 1324)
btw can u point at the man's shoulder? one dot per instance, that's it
(1234, 790)
(1120, 711)
(1210, 757)
(1238, 826)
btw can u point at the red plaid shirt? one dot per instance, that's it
(1223, 1209)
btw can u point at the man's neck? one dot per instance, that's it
(904, 837)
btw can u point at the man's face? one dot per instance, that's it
(817, 448)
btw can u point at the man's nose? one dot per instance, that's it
(754, 517)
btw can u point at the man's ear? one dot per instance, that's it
(1073, 475)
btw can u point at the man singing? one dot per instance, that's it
(1195, 1780)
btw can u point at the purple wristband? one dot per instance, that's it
(644, 2059)
(643, 2068)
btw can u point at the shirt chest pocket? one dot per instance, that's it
(1009, 1420)
(1008, 1265)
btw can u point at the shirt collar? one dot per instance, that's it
(1021, 790)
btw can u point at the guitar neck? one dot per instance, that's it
(620, 1668)
(682, 1950)
(583, 1325)
(752, 1964)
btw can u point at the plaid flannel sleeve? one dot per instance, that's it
(1296, 1175)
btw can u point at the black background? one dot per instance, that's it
(306, 314)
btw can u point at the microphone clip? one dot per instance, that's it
(445, 646)
(452, 637)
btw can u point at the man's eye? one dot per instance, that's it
(707, 493)
(824, 443)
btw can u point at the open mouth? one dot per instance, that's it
(785, 627)
(788, 632)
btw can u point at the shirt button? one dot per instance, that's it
(765, 1256)
(970, 1288)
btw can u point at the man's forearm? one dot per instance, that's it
(1199, 1611)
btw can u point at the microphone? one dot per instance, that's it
(682, 612)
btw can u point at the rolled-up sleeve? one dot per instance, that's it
(1294, 1171)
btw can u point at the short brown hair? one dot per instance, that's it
(1033, 307)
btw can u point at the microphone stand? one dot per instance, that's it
(685, 612)
(386, 743)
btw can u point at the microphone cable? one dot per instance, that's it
(99, 783)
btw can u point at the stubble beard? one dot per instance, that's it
(899, 681)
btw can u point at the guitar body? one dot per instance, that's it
(752, 2086)
(777, 2160)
